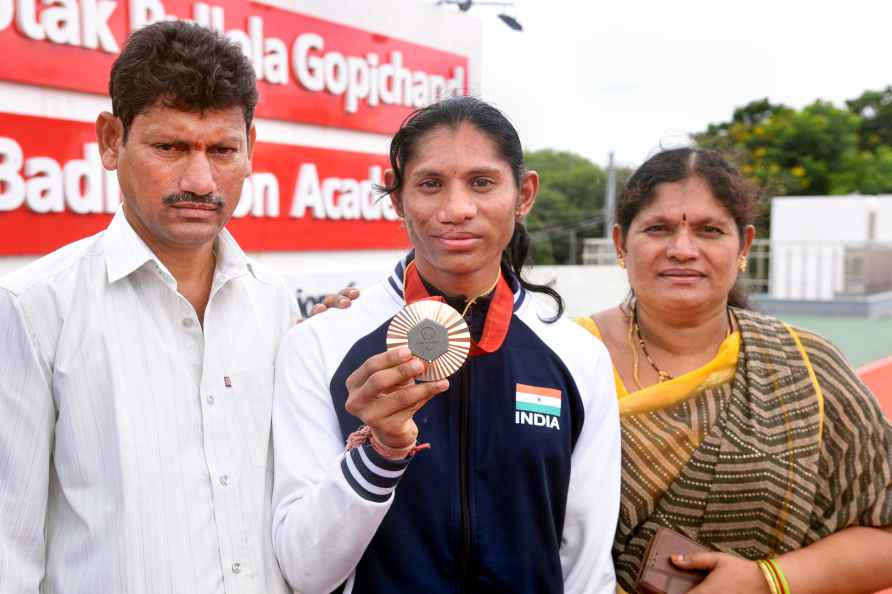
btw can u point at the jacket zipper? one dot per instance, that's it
(463, 439)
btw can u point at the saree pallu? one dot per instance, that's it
(787, 448)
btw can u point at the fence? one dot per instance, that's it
(800, 270)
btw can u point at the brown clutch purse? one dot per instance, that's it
(658, 575)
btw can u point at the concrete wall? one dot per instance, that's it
(585, 289)
(312, 275)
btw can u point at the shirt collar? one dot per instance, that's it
(231, 260)
(126, 252)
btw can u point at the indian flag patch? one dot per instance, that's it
(537, 406)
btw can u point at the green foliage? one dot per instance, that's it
(572, 191)
(875, 110)
(819, 149)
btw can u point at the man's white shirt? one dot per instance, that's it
(134, 444)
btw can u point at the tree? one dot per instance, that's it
(875, 110)
(571, 193)
(819, 149)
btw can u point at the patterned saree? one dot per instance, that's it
(771, 446)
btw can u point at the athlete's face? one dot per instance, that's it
(460, 202)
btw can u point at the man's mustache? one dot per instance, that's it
(190, 197)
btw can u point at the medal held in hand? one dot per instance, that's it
(435, 332)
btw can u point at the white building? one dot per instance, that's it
(830, 247)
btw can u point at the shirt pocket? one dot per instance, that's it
(252, 399)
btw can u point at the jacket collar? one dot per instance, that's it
(507, 297)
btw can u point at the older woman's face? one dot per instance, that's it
(682, 249)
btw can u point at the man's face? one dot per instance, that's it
(181, 173)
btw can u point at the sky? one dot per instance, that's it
(634, 76)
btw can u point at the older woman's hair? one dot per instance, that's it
(739, 197)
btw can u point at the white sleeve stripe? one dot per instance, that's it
(377, 469)
(357, 476)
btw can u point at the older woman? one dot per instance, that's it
(751, 437)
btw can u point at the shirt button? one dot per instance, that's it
(187, 322)
(224, 480)
(236, 567)
(211, 399)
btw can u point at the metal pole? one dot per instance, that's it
(572, 258)
(610, 197)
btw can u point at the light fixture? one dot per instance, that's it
(465, 6)
(511, 21)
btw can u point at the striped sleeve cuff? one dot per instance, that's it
(371, 475)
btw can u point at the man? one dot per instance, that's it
(137, 365)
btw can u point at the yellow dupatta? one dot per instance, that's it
(665, 394)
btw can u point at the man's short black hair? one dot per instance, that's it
(185, 67)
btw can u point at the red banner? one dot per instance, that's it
(54, 190)
(309, 70)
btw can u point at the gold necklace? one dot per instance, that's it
(662, 376)
(486, 292)
(634, 353)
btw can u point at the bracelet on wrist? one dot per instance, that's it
(777, 581)
(364, 435)
(769, 577)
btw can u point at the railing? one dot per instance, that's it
(559, 234)
(598, 252)
(798, 270)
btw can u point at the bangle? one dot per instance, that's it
(777, 581)
(364, 435)
(769, 577)
(781, 578)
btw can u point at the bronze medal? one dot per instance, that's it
(435, 332)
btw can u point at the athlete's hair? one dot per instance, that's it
(184, 66)
(487, 119)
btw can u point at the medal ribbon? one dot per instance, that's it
(498, 317)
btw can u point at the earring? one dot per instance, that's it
(741, 264)
(621, 261)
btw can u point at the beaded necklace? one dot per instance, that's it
(635, 328)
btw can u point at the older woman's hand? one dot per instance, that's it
(727, 574)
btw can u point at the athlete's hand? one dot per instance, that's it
(383, 393)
